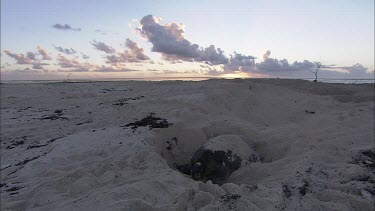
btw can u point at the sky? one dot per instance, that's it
(43, 39)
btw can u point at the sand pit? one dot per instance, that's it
(115, 145)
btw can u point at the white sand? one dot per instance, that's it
(310, 161)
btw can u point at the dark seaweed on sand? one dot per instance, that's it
(286, 191)
(303, 189)
(57, 114)
(151, 121)
(26, 160)
(229, 197)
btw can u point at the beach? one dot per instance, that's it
(115, 145)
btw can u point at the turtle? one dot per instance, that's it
(220, 156)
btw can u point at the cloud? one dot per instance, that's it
(76, 65)
(72, 65)
(266, 55)
(113, 59)
(44, 53)
(39, 66)
(5, 65)
(67, 51)
(68, 63)
(84, 56)
(65, 27)
(101, 46)
(135, 54)
(112, 69)
(102, 32)
(170, 41)
(212, 55)
(357, 68)
(274, 65)
(240, 62)
(357, 71)
(31, 55)
(29, 58)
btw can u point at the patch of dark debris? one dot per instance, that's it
(13, 190)
(229, 197)
(304, 188)
(151, 121)
(86, 122)
(251, 188)
(309, 112)
(369, 153)
(105, 90)
(37, 145)
(17, 143)
(26, 160)
(124, 101)
(57, 114)
(365, 158)
(362, 178)
(231, 201)
(2, 185)
(24, 109)
(286, 191)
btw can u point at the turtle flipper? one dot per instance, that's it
(220, 175)
(185, 169)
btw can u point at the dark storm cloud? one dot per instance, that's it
(67, 51)
(101, 46)
(65, 27)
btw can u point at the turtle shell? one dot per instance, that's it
(222, 155)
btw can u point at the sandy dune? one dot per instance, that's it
(66, 146)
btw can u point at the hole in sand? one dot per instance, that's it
(177, 144)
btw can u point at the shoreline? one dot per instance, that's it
(322, 80)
